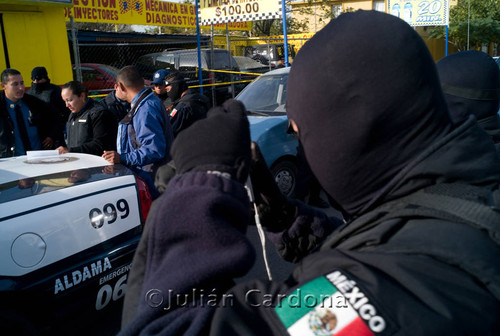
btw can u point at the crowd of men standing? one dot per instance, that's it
(133, 125)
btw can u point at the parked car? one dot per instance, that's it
(264, 100)
(252, 67)
(70, 226)
(97, 78)
(186, 61)
(269, 53)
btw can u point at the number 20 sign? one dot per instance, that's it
(223, 11)
(421, 12)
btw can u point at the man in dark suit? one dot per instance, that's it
(26, 122)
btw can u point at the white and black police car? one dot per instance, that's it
(69, 226)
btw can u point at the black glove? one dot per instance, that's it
(163, 175)
(220, 142)
(275, 211)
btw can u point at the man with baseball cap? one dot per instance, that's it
(159, 87)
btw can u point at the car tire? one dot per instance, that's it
(285, 175)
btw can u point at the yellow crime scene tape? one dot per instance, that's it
(206, 85)
(226, 83)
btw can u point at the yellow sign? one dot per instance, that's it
(221, 11)
(138, 12)
(232, 26)
(421, 12)
(297, 40)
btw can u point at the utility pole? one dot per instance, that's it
(468, 25)
(76, 52)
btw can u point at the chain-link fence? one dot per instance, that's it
(97, 57)
(119, 50)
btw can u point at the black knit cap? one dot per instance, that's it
(471, 83)
(365, 95)
(39, 73)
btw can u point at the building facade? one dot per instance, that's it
(33, 33)
(317, 14)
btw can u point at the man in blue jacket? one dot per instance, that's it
(144, 135)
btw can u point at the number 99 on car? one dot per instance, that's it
(109, 213)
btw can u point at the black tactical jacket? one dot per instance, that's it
(92, 130)
(41, 116)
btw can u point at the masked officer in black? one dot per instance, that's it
(43, 89)
(187, 106)
(419, 254)
(471, 84)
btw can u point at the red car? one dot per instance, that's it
(97, 78)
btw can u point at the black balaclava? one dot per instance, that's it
(365, 95)
(471, 84)
(40, 73)
(178, 84)
(39, 87)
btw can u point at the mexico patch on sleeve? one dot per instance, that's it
(329, 305)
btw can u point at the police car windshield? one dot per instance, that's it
(30, 186)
